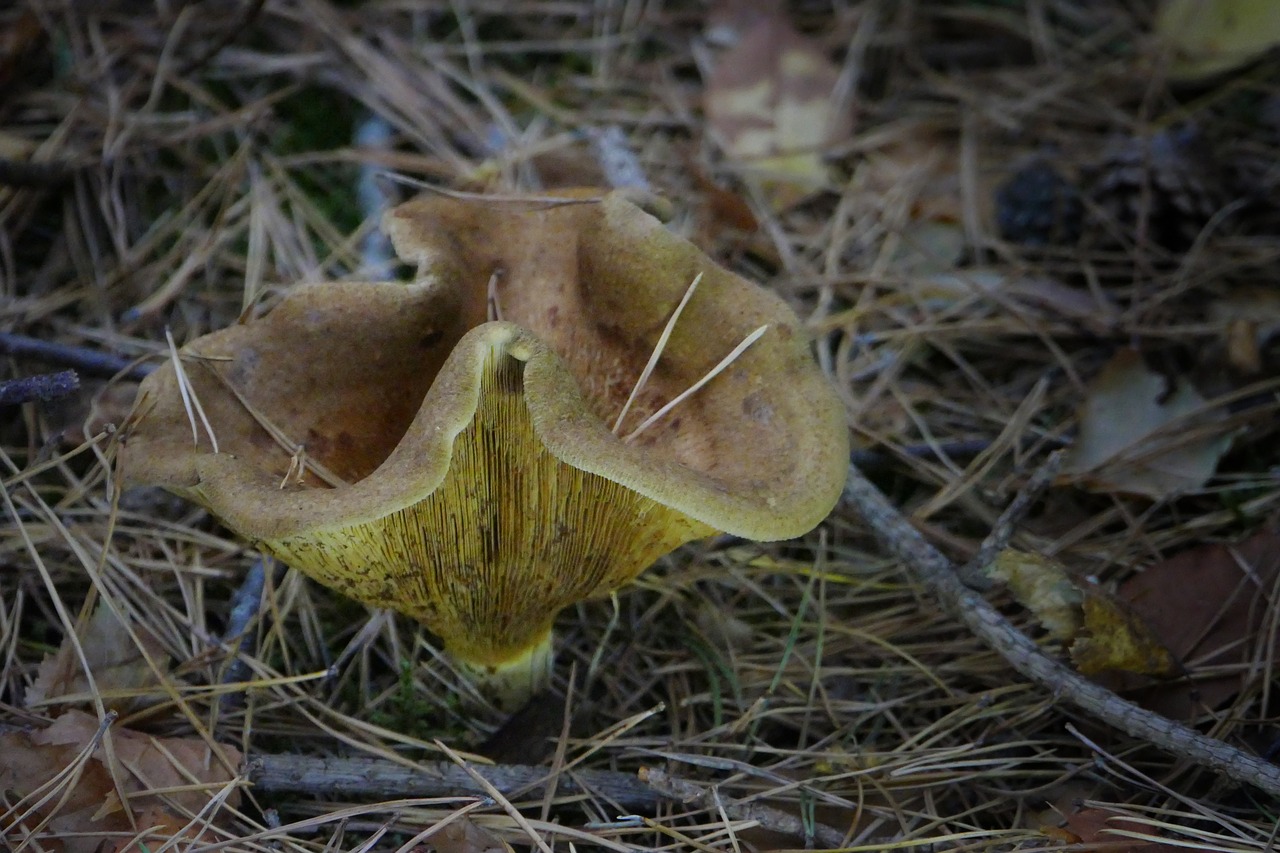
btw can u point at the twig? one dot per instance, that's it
(766, 816)
(83, 359)
(497, 796)
(372, 777)
(45, 386)
(621, 166)
(973, 574)
(252, 9)
(938, 576)
(964, 449)
(246, 602)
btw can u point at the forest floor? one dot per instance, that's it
(1011, 228)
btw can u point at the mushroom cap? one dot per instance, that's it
(463, 471)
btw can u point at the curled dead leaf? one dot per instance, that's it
(464, 835)
(1043, 586)
(1116, 638)
(1139, 437)
(126, 674)
(85, 812)
(1098, 828)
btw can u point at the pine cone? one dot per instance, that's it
(1161, 189)
(1037, 207)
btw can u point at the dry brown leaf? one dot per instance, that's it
(120, 669)
(1102, 827)
(770, 100)
(1212, 606)
(25, 765)
(155, 825)
(1041, 585)
(466, 836)
(1138, 438)
(90, 813)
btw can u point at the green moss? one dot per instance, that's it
(312, 119)
(416, 714)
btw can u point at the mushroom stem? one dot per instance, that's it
(512, 683)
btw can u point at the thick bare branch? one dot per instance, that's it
(371, 777)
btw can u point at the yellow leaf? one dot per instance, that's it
(1041, 585)
(1210, 36)
(1117, 639)
(1103, 633)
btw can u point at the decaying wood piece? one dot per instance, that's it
(372, 777)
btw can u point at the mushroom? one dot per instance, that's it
(399, 444)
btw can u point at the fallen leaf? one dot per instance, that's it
(1041, 585)
(1206, 37)
(1212, 606)
(88, 816)
(724, 207)
(771, 100)
(1115, 638)
(1101, 633)
(120, 670)
(723, 222)
(1138, 438)
(1103, 827)
(466, 836)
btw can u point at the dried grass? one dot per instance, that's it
(199, 163)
